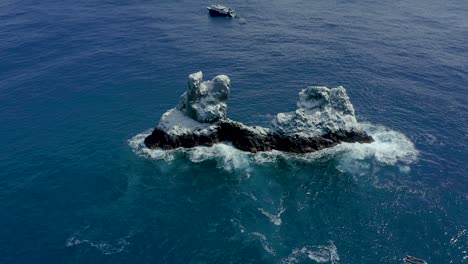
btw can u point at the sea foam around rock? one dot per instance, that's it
(389, 148)
(198, 130)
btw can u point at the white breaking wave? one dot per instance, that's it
(139, 148)
(228, 157)
(389, 148)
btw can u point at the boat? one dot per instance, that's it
(221, 11)
(413, 260)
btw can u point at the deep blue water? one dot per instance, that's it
(80, 79)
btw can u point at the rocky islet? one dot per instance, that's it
(324, 118)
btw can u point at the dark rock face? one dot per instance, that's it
(323, 119)
(160, 139)
(244, 138)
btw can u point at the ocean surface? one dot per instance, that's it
(82, 83)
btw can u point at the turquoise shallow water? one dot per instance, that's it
(82, 82)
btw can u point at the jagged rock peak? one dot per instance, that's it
(205, 101)
(320, 110)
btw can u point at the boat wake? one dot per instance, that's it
(390, 148)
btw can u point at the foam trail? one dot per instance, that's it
(275, 219)
(264, 242)
(107, 248)
(319, 254)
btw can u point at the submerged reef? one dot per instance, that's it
(324, 118)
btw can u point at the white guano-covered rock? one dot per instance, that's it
(176, 123)
(205, 101)
(320, 110)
